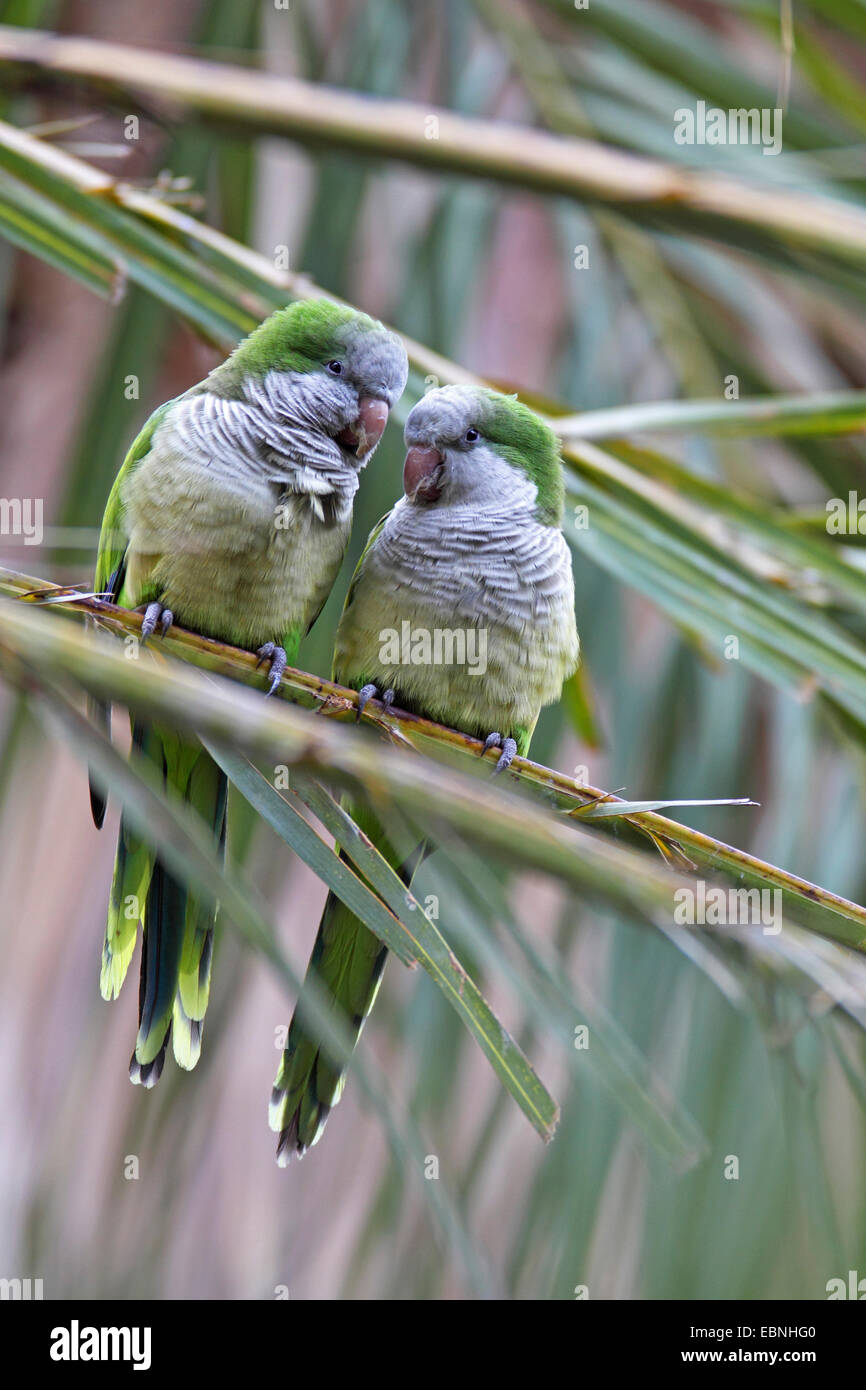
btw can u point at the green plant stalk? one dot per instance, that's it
(427, 790)
(684, 546)
(99, 200)
(228, 715)
(573, 167)
(824, 413)
(781, 532)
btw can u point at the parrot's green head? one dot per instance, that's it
(468, 445)
(324, 369)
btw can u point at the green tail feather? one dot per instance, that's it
(161, 948)
(133, 866)
(99, 714)
(132, 870)
(193, 983)
(98, 711)
(207, 792)
(177, 928)
(347, 962)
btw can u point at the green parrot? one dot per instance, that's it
(230, 515)
(474, 546)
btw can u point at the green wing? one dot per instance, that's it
(112, 538)
(110, 570)
(371, 540)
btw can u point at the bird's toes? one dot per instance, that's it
(278, 661)
(155, 615)
(507, 756)
(507, 750)
(367, 692)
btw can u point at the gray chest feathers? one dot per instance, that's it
(223, 520)
(476, 568)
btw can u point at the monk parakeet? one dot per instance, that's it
(230, 516)
(474, 544)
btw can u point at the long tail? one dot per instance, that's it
(347, 962)
(177, 941)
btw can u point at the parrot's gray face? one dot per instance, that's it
(347, 400)
(448, 460)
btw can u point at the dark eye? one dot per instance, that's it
(470, 436)
(336, 368)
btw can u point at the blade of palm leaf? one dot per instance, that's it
(474, 1169)
(830, 79)
(790, 957)
(586, 169)
(29, 226)
(142, 323)
(678, 45)
(704, 952)
(819, 557)
(601, 810)
(833, 1030)
(687, 597)
(281, 809)
(219, 250)
(839, 973)
(135, 247)
(216, 247)
(850, 18)
(742, 311)
(742, 573)
(823, 412)
(688, 576)
(554, 1212)
(638, 256)
(406, 928)
(620, 1066)
(493, 817)
(807, 1151)
(539, 64)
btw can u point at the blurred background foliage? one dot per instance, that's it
(752, 1059)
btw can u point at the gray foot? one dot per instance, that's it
(278, 662)
(508, 747)
(371, 692)
(155, 616)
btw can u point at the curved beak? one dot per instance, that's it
(422, 474)
(362, 437)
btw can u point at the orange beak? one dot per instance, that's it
(422, 473)
(363, 436)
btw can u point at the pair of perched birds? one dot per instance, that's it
(230, 516)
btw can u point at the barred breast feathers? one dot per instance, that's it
(276, 435)
(497, 565)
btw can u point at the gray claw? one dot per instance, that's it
(367, 692)
(155, 613)
(506, 757)
(508, 748)
(371, 692)
(278, 663)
